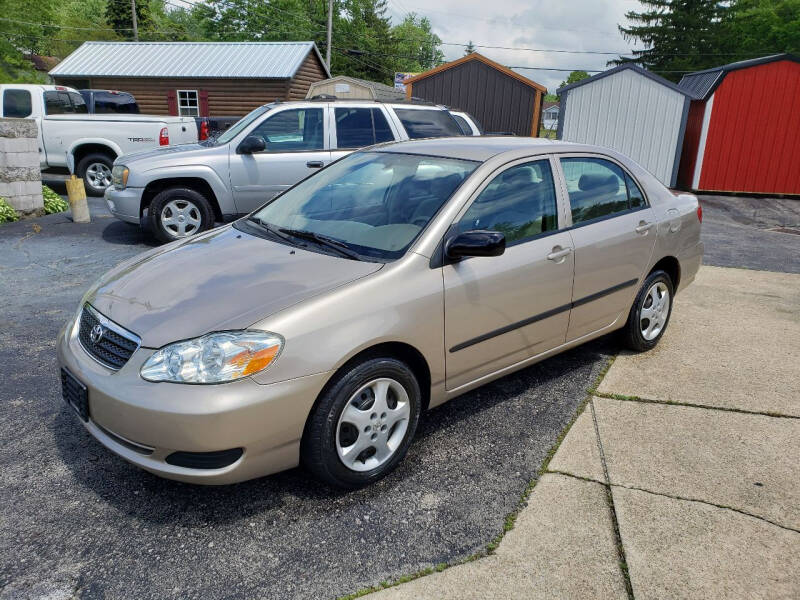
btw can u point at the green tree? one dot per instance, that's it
(119, 16)
(754, 28)
(574, 77)
(469, 48)
(30, 29)
(679, 35)
(417, 48)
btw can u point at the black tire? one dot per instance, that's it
(195, 205)
(89, 171)
(318, 450)
(632, 333)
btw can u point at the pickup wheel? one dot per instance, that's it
(179, 212)
(95, 170)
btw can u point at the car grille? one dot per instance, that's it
(114, 347)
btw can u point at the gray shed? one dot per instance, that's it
(354, 88)
(632, 111)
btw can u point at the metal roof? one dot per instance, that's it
(227, 60)
(625, 66)
(703, 83)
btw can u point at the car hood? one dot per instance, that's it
(224, 279)
(164, 152)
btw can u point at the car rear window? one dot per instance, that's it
(423, 123)
(16, 103)
(462, 122)
(115, 102)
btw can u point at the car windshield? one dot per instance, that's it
(372, 204)
(241, 124)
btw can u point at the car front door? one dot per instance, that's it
(295, 147)
(501, 310)
(613, 234)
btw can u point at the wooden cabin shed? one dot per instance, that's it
(355, 88)
(502, 100)
(632, 111)
(202, 79)
(743, 132)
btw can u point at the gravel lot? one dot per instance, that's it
(79, 522)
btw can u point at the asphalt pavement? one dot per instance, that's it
(79, 522)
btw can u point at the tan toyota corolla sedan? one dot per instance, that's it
(318, 329)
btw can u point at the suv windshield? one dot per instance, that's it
(373, 204)
(241, 124)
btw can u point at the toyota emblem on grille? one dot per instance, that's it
(97, 333)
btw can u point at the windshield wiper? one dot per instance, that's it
(322, 240)
(275, 231)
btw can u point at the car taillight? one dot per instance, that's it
(699, 212)
(163, 137)
(203, 135)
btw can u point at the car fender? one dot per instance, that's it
(112, 146)
(209, 175)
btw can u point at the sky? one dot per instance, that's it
(542, 24)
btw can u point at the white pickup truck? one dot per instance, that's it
(67, 133)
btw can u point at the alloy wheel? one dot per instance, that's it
(181, 218)
(98, 175)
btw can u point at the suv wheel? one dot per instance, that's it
(363, 424)
(95, 170)
(179, 212)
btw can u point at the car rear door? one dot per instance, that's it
(613, 235)
(296, 146)
(501, 310)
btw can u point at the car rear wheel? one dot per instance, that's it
(179, 212)
(363, 423)
(95, 170)
(650, 312)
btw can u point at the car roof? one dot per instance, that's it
(479, 148)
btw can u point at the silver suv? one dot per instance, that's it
(179, 191)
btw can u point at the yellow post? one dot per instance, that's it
(77, 200)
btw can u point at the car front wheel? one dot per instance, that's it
(363, 423)
(179, 212)
(650, 313)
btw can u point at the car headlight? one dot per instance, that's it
(119, 176)
(214, 358)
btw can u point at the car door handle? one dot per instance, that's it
(643, 227)
(314, 164)
(558, 253)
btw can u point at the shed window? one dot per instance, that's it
(359, 127)
(16, 103)
(188, 103)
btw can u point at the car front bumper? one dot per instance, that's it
(124, 204)
(145, 422)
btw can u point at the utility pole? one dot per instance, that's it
(133, 19)
(330, 33)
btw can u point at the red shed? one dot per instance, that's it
(743, 128)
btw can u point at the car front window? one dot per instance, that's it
(373, 203)
(241, 124)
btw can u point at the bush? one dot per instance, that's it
(53, 203)
(7, 212)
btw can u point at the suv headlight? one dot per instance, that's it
(119, 176)
(214, 358)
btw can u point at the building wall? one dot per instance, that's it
(356, 91)
(691, 142)
(631, 114)
(499, 102)
(226, 97)
(309, 72)
(753, 138)
(20, 176)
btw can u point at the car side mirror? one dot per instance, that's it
(475, 243)
(252, 144)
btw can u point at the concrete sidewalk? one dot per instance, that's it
(681, 477)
